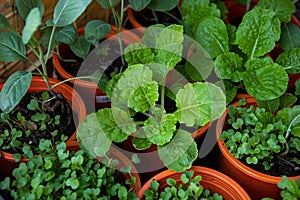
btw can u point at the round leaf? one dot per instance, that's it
(96, 30)
(81, 47)
(66, 35)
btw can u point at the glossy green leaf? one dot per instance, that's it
(262, 84)
(81, 47)
(193, 12)
(106, 4)
(91, 136)
(25, 6)
(180, 153)
(160, 127)
(95, 30)
(230, 66)
(139, 4)
(73, 183)
(258, 32)
(283, 9)
(4, 23)
(211, 33)
(66, 35)
(199, 103)
(290, 37)
(158, 5)
(290, 60)
(14, 89)
(11, 47)
(67, 11)
(33, 21)
(144, 97)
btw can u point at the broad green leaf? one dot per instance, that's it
(257, 63)
(11, 47)
(140, 140)
(290, 60)
(91, 136)
(211, 33)
(14, 89)
(144, 97)
(180, 153)
(283, 8)
(132, 79)
(158, 5)
(66, 35)
(4, 23)
(136, 53)
(139, 4)
(160, 127)
(81, 47)
(258, 32)
(199, 103)
(150, 35)
(290, 37)
(193, 12)
(33, 21)
(25, 6)
(267, 82)
(67, 11)
(230, 66)
(106, 4)
(96, 30)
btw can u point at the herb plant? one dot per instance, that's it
(57, 173)
(188, 188)
(138, 90)
(258, 136)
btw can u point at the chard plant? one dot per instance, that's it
(57, 173)
(258, 136)
(189, 188)
(240, 52)
(140, 91)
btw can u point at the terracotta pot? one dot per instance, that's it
(257, 184)
(87, 89)
(211, 179)
(123, 162)
(7, 162)
(242, 96)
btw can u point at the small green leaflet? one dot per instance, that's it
(66, 35)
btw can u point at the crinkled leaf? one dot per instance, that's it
(211, 33)
(267, 82)
(67, 11)
(33, 21)
(139, 4)
(110, 85)
(11, 47)
(4, 23)
(106, 4)
(96, 30)
(158, 5)
(290, 60)
(81, 47)
(140, 140)
(180, 153)
(91, 136)
(290, 36)
(14, 89)
(283, 8)
(230, 66)
(25, 6)
(258, 32)
(66, 35)
(193, 12)
(199, 103)
(136, 53)
(144, 97)
(160, 127)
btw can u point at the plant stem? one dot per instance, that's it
(174, 17)
(73, 78)
(155, 16)
(290, 126)
(163, 91)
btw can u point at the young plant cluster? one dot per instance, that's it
(56, 173)
(188, 188)
(258, 136)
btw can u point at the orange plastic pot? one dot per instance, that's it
(211, 179)
(256, 184)
(7, 162)
(87, 89)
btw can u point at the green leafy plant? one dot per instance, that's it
(57, 173)
(188, 188)
(137, 90)
(240, 52)
(255, 135)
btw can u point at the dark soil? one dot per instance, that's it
(56, 106)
